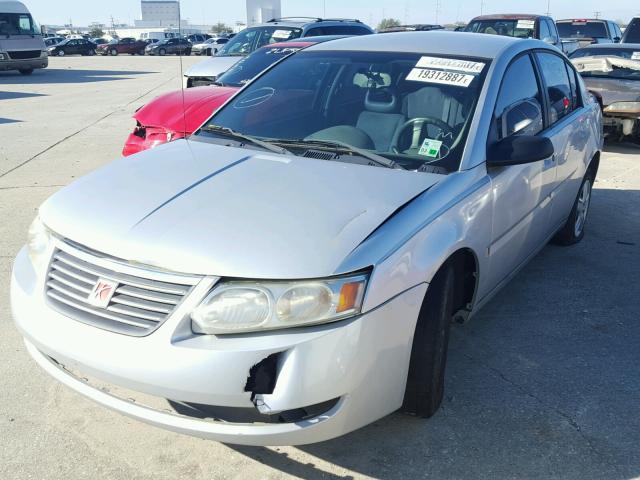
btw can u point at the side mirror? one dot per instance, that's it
(524, 117)
(518, 150)
(616, 39)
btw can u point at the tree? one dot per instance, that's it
(221, 27)
(96, 32)
(388, 23)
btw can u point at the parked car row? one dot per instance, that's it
(290, 272)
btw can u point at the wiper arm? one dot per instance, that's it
(334, 144)
(242, 138)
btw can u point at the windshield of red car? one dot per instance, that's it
(251, 66)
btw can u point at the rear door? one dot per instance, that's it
(564, 108)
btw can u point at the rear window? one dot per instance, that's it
(628, 53)
(582, 29)
(507, 28)
(632, 33)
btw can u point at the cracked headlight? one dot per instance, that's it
(38, 239)
(250, 306)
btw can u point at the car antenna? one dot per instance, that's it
(184, 114)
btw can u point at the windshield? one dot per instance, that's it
(582, 29)
(411, 109)
(251, 39)
(251, 66)
(507, 28)
(632, 33)
(17, 24)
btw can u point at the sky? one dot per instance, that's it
(59, 12)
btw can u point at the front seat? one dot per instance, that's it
(435, 102)
(381, 117)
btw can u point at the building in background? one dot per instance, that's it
(260, 11)
(159, 13)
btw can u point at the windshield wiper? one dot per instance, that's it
(244, 139)
(344, 147)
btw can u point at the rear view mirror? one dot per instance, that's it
(519, 149)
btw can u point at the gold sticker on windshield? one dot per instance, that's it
(441, 77)
(450, 64)
(430, 148)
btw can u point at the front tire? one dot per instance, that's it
(92, 53)
(61, 53)
(573, 231)
(162, 52)
(425, 380)
(113, 52)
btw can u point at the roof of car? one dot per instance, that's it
(583, 20)
(613, 46)
(508, 16)
(302, 21)
(434, 42)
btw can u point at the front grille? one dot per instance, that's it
(23, 54)
(138, 306)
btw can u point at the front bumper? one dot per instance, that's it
(24, 64)
(363, 362)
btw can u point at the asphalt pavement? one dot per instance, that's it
(544, 383)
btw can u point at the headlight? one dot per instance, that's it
(38, 240)
(249, 306)
(623, 107)
(2, 57)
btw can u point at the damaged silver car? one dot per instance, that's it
(290, 272)
(612, 75)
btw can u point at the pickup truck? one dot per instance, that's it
(589, 31)
(123, 45)
(540, 27)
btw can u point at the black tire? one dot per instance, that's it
(162, 52)
(141, 52)
(425, 381)
(573, 231)
(113, 52)
(61, 53)
(26, 71)
(92, 53)
(208, 52)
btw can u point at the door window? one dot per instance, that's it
(519, 105)
(554, 72)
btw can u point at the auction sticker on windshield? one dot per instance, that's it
(430, 148)
(526, 24)
(635, 56)
(440, 76)
(450, 64)
(281, 34)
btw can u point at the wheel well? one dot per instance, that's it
(465, 269)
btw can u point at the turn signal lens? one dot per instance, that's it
(350, 296)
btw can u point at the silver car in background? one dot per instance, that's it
(290, 272)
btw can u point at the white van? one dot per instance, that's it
(21, 44)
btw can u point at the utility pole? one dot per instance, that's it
(437, 10)
(481, 6)
(597, 14)
(548, 8)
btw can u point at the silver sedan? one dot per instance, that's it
(290, 272)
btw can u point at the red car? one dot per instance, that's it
(172, 116)
(122, 45)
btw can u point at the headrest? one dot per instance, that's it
(381, 100)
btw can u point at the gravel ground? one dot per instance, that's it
(544, 383)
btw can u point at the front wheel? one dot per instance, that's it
(61, 53)
(162, 51)
(208, 52)
(92, 53)
(113, 52)
(141, 52)
(425, 381)
(26, 71)
(573, 231)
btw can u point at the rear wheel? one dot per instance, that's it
(141, 52)
(162, 51)
(425, 381)
(26, 71)
(92, 52)
(573, 231)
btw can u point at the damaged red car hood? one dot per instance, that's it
(166, 111)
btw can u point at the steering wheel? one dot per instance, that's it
(418, 124)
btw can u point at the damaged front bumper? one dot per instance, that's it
(286, 387)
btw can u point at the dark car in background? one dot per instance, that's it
(632, 32)
(73, 46)
(169, 46)
(423, 27)
(123, 45)
(588, 31)
(522, 26)
(99, 41)
(611, 73)
(51, 41)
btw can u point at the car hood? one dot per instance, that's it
(212, 66)
(185, 114)
(612, 90)
(194, 207)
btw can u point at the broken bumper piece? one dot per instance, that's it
(288, 387)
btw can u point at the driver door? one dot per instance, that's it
(521, 193)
